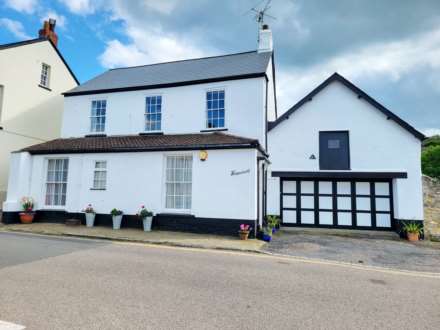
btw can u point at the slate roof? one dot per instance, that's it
(136, 143)
(178, 73)
(36, 40)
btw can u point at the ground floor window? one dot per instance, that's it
(178, 182)
(100, 175)
(56, 182)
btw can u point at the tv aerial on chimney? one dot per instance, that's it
(260, 13)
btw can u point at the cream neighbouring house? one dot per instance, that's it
(200, 143)
(33, 74)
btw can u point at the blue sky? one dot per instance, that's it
(391, 49)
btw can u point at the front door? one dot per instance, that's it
(334, 151)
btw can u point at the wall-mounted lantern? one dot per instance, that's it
(203, 155)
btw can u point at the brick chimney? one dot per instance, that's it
(48, 31)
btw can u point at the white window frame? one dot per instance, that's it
(166, 181)
(161, 113)
(93, 117)
(225, 107)
(47, 182)
(99, 170)
(45, 75)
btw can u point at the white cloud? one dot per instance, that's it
(15, 27)
(81, 7)
(61, 20)
(148, 42)
(26, 6)
(431, 131)
(378, 61)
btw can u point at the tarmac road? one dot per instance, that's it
(57, 283)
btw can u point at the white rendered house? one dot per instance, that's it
(33, 74)
(188, 139)
(199, 142)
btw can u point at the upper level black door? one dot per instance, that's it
(334, 153)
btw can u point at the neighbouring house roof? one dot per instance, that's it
(361, 95)
(33, 41)
(137, 143)
(178, 73)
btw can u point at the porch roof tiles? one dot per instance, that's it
(138, 143)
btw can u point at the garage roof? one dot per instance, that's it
(356, 90)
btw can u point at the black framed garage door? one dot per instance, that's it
(362, 204)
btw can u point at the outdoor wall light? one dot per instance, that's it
(203, 155)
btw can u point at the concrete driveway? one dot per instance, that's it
(368, 248)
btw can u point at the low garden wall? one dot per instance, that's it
(431, 198)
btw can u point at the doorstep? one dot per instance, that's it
(136, 235)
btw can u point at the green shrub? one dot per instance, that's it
(431, 161)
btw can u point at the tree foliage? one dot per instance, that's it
(431, 157)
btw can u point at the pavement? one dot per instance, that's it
(136, 235)
(379, 249)
(49, 282)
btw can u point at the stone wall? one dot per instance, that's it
(431, 197)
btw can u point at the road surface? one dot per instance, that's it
(56, 283)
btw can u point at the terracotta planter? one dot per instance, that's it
(27, 217)
(413, 237)
(244, 234)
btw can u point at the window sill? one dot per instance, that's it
(98, 189)
(151, 133)
(213, 130)
(95, 135)
(44, 87)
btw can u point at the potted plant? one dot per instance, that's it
(27, 216)
(413, 231)
(146, 216)
(244, 231)
(90, 215)
(116, 218)
(273, 222)
(267, 234)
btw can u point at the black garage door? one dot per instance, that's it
(362, 204)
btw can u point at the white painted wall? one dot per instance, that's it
(27, 109)
(138, 178)
(183, 110)
(376, 144)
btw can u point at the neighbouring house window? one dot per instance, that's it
(100, 175)
(98, 116)
(178, 182)
(153, 113)
(56, 183)
(215, 105)
(45, 75)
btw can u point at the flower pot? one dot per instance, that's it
(244, 234)
(147, 221)
(27, 217)
(90, 219)
(413, 237)
(117, 219)
(267, 238)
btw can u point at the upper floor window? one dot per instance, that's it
(97, 118)
(45, 75)
(215, 102)
(153, 113)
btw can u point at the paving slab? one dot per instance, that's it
(137, 235)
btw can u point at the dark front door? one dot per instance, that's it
(334, 151)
